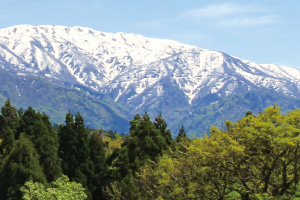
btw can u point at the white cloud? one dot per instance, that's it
(221, 10)
(230, 14)
(249, 21)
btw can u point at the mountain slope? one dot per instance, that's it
(56, 101)
(142, 74)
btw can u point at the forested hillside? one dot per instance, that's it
(56, 100)
(256, 157)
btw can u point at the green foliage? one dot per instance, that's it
(39, 130)
(21, 165)
(29, 151)
(126, 188)
(82, 139)
(207, 112)
(161, 125)
(74, 151)
(67, 146)
(60, 189)
(8, 126)
(7, 143)
(9, 116)
(147, 142)
(99, 169)
(97, 151)
(181, 135)
(255, 158)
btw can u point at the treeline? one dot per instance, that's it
(254, 158)
(31, 150)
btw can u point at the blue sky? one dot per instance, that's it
(261, 31)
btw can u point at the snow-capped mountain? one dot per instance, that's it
(140, 73)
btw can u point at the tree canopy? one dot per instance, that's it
(256, 157)
(60, 189)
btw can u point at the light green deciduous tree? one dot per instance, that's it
(61, 189)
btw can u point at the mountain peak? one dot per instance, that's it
(140, 74)
(129, 66)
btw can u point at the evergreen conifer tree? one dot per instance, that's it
(181, 135)
(9, 121)
(82, 139)
(161, 125)
(27, 123)
(39, 130)
(74, 151)
(46, 143)
(147, 141)
(68, 146)
(9, 117)
(83, 172)
(21, 165)
(97, 156)
(7, 143)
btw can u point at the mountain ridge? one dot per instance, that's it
(140, 73)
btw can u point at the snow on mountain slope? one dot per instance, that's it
(133, 69)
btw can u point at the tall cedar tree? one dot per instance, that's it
(39, 130)
(181, 135)
(83, 172)
(21, 165)
(82, 139)
(8, 126)
(68, 146)
(161, 125)
(74, 150)
(97, 155)
(9, 117)
(147, 141)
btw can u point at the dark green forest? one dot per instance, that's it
(257, 157)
